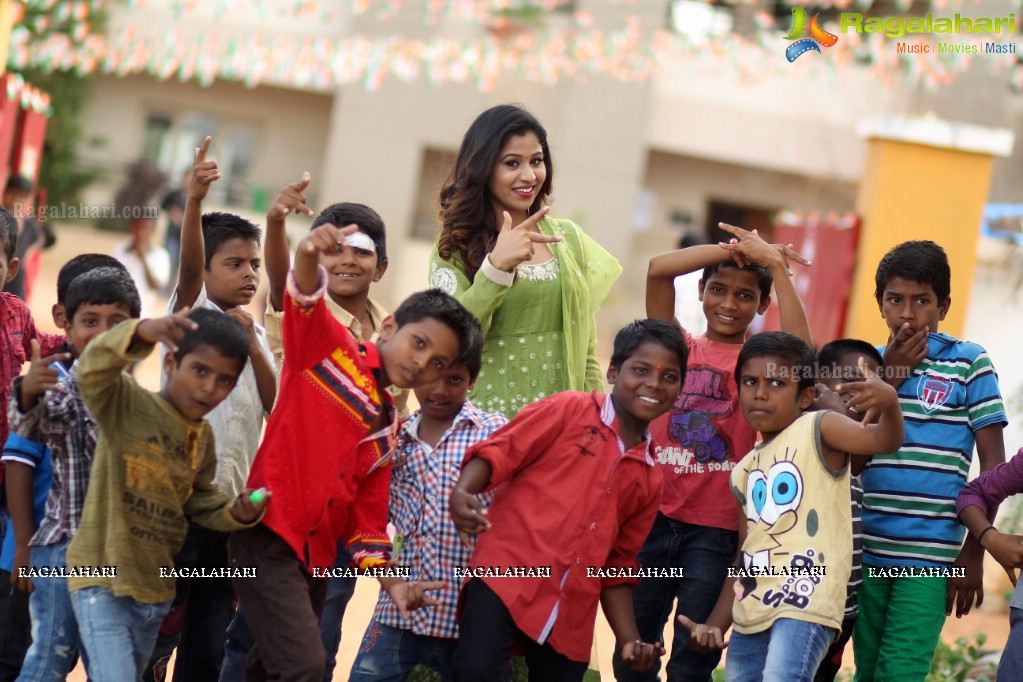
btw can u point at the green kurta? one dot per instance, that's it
(541, 335)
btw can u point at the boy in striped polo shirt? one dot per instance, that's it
(914, 558)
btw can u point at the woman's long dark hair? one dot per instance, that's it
(468, 225)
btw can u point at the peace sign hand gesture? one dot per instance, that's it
(516, 244)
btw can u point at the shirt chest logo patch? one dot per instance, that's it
(933, 392)
(592, 440)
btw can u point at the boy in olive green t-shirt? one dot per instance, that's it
(152, 472)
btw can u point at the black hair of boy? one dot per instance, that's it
(446, 309)
(368, 220)
(218, 331)
(8, 233)
(797, 358)
(764, 279)
(829, 357)
(635, 334)
(218, 228)
(102, 286)
(79, 265)
(19, 184)
(918, 261)
(474, 355)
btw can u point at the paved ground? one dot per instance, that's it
(994, 321)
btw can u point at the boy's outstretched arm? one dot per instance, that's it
(775, 258)
(211, 508)
(616, 601)
(276, 254)
(105, 388)
(975, 503)
(963, 591)
(18, 480)
(665, 267)
(877, 401)
(192, 260)
(1006, 549)
(710, 636)
(467, 512)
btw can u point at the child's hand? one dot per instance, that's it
(139, 250)
(640, 656)
(1006, 550)
(167, 330)
(21, 560)
(871, 397)
(248, 323)
(905, 350)
(469, 515)
(40, 378)
(826, 399)
(704, 637)
(515, 244)
(411, 596)
(244, 510)
(965, 591)
(751, 248)
(204, 173)
(290, 199)
(325, 239)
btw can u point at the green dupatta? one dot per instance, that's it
(588, 271)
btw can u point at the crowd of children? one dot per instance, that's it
(226, 515)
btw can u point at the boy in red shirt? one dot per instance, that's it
(579, 494)
(326, 456)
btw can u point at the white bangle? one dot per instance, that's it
(500, 277)
(307, 300)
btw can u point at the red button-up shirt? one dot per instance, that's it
(16, 333)
(569, 496)
(328, 475)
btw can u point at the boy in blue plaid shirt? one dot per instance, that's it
(425, 468)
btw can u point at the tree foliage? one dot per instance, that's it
(62, 172)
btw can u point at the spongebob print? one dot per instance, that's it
(797, 555)
(773, 499)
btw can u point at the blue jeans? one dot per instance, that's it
(788, 651)
(55, 641)
(118, 632)
(389, 654)
(236, 649)
(240, 640)
(339, 593)
(1010, 668)
(705, 553)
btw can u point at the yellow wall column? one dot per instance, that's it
(924, 179)
(6, 23)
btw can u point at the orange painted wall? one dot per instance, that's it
(912, 191)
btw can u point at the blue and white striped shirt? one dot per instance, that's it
(909, 501)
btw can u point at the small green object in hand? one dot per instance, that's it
(257, 496)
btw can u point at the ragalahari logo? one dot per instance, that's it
(799, 28)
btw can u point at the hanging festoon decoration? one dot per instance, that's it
(317, 45)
